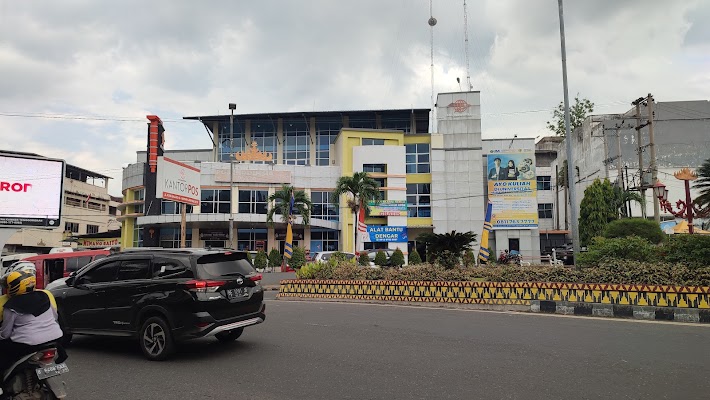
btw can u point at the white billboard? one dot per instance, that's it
(30, 191)
(178, 182)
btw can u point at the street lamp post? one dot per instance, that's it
(686, 209)
(232, 107)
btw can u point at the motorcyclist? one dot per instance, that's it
(29, 318)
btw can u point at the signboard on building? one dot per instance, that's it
(253, 176)
(178, 182)
(388, 208)
(30, 191)
(387, 233)
(93, 243)
(214, 234)
(512, 188)
(281, 235)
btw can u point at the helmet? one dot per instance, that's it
(22, 266)
(20, 282)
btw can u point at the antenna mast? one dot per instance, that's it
(432, 22)
(465, 34)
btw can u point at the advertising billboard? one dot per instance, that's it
(387, 233)
(178, 182)
(388, 208)
(512, 189)
(30, 191)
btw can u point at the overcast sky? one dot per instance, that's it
(76, 62)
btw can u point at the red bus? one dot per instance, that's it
(51, 267)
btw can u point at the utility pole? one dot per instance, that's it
(654, 168)
(232, 107)
(642, 189)
(568, 138)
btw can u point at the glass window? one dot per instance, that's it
(137, 236)
(77, 263)
(168, 207)
(253, 201)
(263, 132)
(134, 269)
(167, 269)
(400, 122)
(214, 201)
(92, 229)
(379, 168)
(139, 195)
(216, 266)
(325, 240)
(544, 210)
(327, 131)
(297, 142)
(544, 182)
(106, 272)
(373, 142)
(251, 239)
(363, 122)
(225, 139)
(72, 227)
(418, 158)
(170, 238)
(419, 200)
(323, 207)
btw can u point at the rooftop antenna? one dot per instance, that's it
(465, 34)
(432, 22)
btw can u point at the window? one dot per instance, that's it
(215, 201)
(323, 207)
(225, 139)
(377, 168)
(252, 201)
(263, 132)
(106, 272)
(139, 195)
(170, 238)
(544, 210)
(324, 240)
(112, 210)
(419, 199)
(297, 142)
(134, 269)
(92, 229)
(373, 142)
(137, 236)
(170, 269)
(418, 158)
(72, 227)
(70, 201)
(247, 239)
(77, 263)
(326, 133)
(544, 182)
(374, 246)
(402, 122)
(170, 207)
(363, 122)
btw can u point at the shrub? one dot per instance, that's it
(415, 258)
(274, 258)
(308, 271)
(381, 258)
(447, 259)
(693, 250)
(469, 259)
(363, 260)
(397, 259)
(338, 256)
(298, 259)
(260, 260)
(640, 227)
(628, 248)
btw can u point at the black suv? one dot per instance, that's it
(162, 296)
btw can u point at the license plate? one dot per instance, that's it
(237, 293)
(51, 370)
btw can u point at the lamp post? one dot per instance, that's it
(232, 107)
(686, 209)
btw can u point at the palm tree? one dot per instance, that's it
(703, 184)
(621, 197)
(281, 200)
(360, 190)
(453, 242)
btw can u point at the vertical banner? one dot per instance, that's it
(485, 252)
(512, 189)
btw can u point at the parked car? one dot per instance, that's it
(371, 254)
(323, 256)
(161, 297)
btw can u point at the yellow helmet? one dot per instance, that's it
(20, 282)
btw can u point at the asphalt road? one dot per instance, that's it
(308, 350)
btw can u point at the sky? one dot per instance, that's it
(78, 77)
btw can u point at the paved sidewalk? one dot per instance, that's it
(271, 279)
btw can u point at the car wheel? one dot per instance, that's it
(156, 340)
(230, 336)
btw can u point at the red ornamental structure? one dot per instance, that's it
(686, 209)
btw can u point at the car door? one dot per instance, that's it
(125, 294)
(82, 303)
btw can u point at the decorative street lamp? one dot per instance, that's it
(686, 209)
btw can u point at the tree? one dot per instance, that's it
(621, 197)
(577, 113)
(363, 259)
(360, 190)
(640, 227)
(281, 201)
(453, 242)
(703, 184)
(415, 258)
(597, 209)
(298, 259)
(381, 258)
(397, 259)
(275, 258)
(260, 260)
(469, 259)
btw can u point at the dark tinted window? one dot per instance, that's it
(134, 269)
(77, 263)
(169, 269)
(101, 273)
(221, 265)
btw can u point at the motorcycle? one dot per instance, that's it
(35, 376)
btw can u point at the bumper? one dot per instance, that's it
(205, 325)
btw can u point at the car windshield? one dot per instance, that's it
(215, 266)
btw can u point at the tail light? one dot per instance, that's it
(256, 278)
(45, 355)
(203, 286)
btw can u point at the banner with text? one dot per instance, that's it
(387, 233)
(512, 188)
(388, 208)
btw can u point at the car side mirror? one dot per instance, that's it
(70, 279)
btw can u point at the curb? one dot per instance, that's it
(268, 288)
(692, 315)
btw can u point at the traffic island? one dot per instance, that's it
(647, 302)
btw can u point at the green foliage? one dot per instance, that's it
(260, 260)
(360, 189)
(250, 258)
(640, 227)
(627, 248)
(415, 258)
(691, 250)
(363, 260)
(453, 242)
(381, 258)
(281, 201)
(397, 259)
(702, 184)
(596, 210)
(577, 113)
(298, 259)
(621, 197)
(275, 258)
(338, 256)
(469, 259)
(448, 259)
